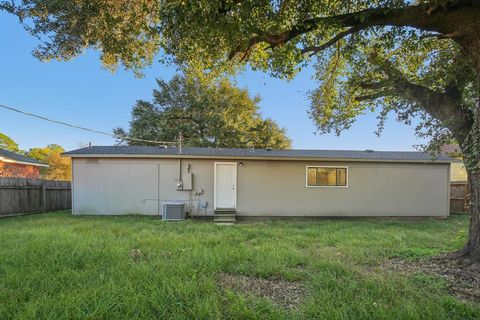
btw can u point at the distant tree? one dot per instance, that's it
(42, 153)
(59, 168)
(207, 114)
(7, 143)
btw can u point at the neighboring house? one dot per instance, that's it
(459, 199)
(15, 165)
(116, 180)
(458, 173)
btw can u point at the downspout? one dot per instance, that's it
(159, 211)
(180, 141)
(180, 170)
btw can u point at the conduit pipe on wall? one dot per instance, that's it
(179, 183)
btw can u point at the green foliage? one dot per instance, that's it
(8, 144)
(59, 266)
(41, 154)
(215, 114)
(59, 167)
(375, 78)
(417, 59)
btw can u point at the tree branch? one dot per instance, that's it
(442, 106)
(283, 6)
(374, 85)
(376, 95)
(315, 49)
(439, 35)
(428, 17)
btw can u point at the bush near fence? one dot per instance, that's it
(20, 195)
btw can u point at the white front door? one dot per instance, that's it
(225, 185)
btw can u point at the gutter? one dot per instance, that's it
(183, 156)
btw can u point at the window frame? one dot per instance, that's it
(336, 167)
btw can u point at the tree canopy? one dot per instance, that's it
(207, 114)
(379, 55)
(59, 168)
(8, 144)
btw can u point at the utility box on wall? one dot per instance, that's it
(187, 179)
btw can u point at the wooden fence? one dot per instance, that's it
(459, 197)
(18, 195)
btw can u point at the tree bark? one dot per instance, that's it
(470, 253)
(470, 44)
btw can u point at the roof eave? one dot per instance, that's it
(184, 156)
(24, 162)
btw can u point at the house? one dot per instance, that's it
(459, 198)
(458, 173)
(16, 165)
(116, 180)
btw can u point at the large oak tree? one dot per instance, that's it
(208, 114)
(416, 58)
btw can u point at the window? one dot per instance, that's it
(326, 176)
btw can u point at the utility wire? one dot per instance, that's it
(83, 128)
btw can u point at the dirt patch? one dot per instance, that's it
(136, 255)
(462, 282)
(288, 294)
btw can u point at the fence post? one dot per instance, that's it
(44, 197)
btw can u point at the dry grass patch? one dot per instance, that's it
(288, 294)
(463, 283)
(136, 254)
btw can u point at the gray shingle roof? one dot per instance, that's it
(152, 151)
(18, 157)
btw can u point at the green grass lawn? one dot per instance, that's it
(57, 266)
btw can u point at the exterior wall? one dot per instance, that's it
(264, 188)
(374, 189)
(18, 170)
(138, 186)
(458, 172)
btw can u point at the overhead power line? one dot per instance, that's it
(83, 128)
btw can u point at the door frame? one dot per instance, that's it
(215, 183)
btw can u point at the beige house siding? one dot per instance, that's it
(264, 188)
(374, 189)
(458, 172)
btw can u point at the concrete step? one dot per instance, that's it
(225, 211)
(224, 221)
(224, 215)
(231, 218)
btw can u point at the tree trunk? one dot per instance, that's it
(470, 149)
(470, 43)
(471, 251)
